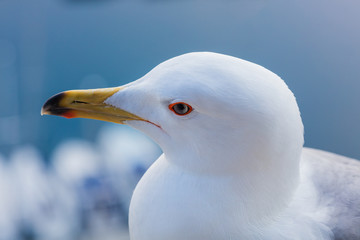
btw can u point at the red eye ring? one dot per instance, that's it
(180, 108)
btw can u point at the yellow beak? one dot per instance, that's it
(87, 104)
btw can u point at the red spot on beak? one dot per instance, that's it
(69, 114)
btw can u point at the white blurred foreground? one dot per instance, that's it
(84, 193)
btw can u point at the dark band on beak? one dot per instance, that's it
(52, 107)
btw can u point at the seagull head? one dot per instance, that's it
(210, 113)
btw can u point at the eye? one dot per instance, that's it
(180, 108)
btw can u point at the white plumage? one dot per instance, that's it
(235, 167)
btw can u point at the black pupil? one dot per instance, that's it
(181, 108)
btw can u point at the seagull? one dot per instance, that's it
(233, 164)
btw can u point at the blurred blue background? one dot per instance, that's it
(50, 46)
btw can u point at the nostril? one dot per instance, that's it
(81, 102)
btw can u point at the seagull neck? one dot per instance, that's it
(263, 185)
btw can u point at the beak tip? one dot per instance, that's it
(51, 106)
(43, 112)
